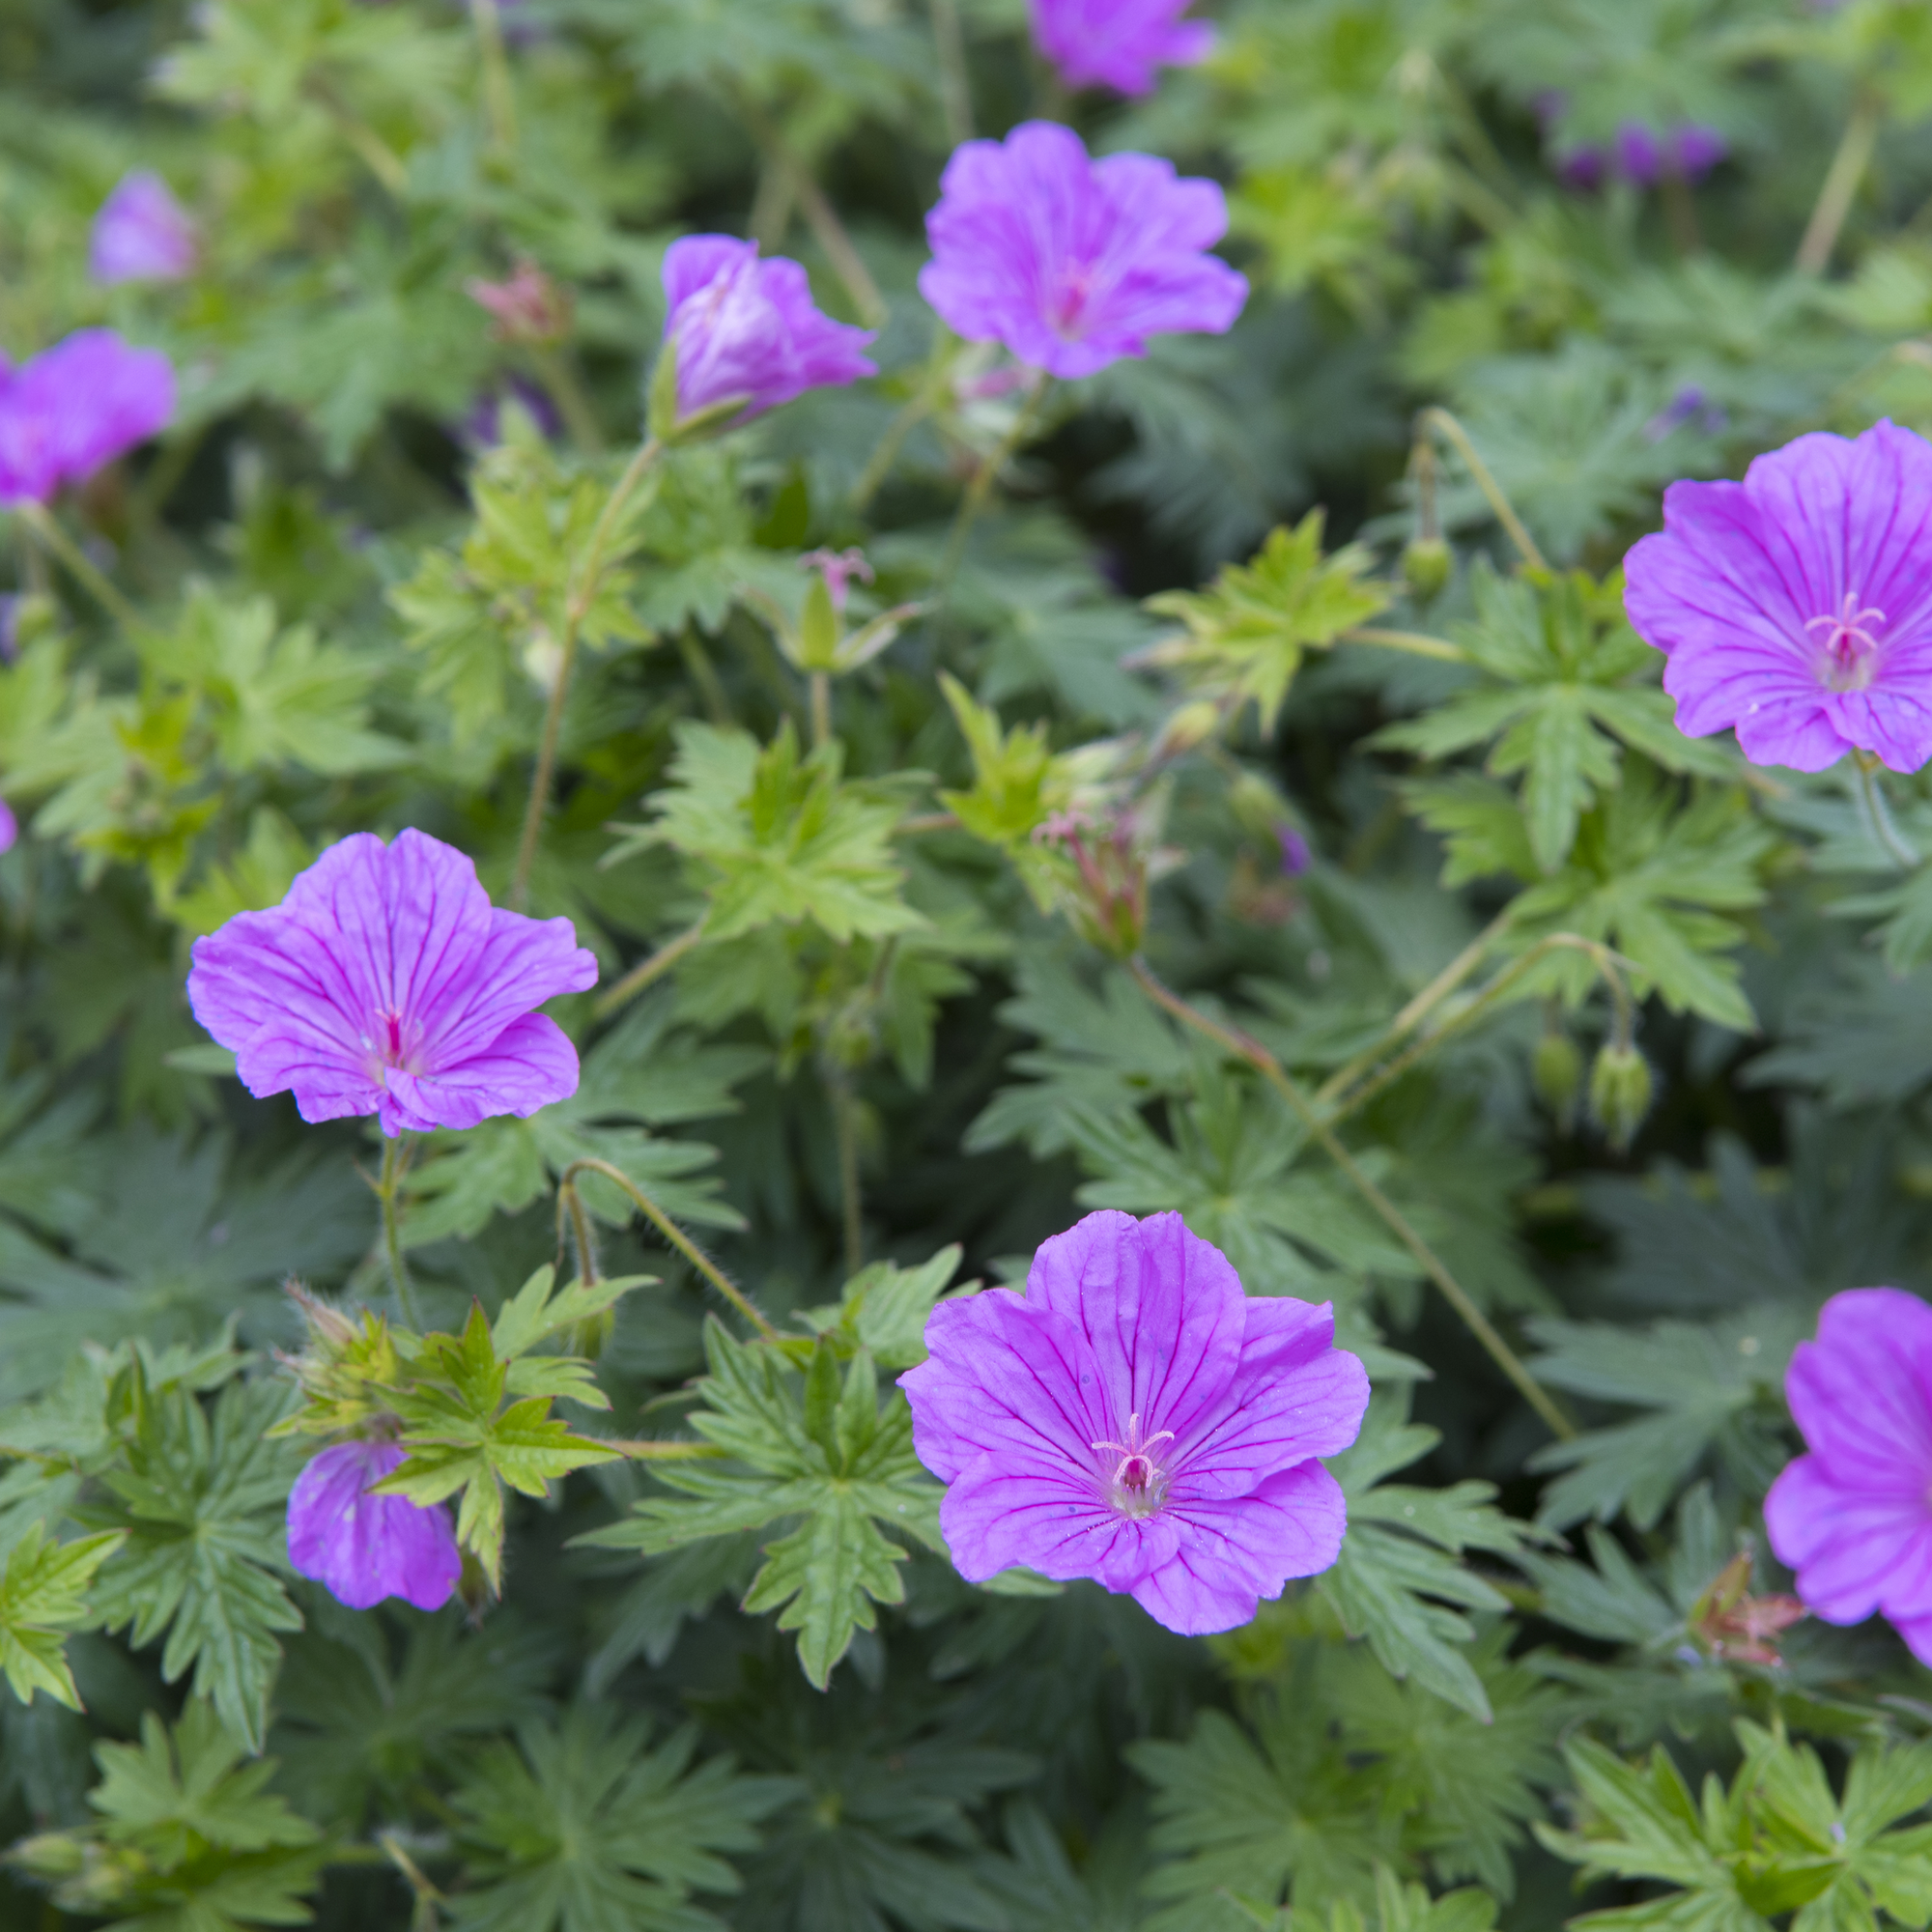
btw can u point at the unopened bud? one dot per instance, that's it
(1191, 725)
(1620, 1093)
(1557, 1074)
(1426, 564)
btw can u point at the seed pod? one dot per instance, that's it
(1620, 1093)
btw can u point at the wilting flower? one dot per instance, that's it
(365, 1547)
(386, 984)
(1138, 1419)
(1854, 1516)
(1075, 263)
(1794, 606)
(839, 568)
(748, 328)
(142, 234)
(526, 305)
(1118, 43)
(76, 406)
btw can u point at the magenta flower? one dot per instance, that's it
(386, 984)
(10, 827)
(74, 407)
(1640, 154)
(748, 328)
(1797, 605)
(142, 234)
(365, 1547)
(1075, 263)
(1138, 1419)
(1118, 43)
(1853, 1517)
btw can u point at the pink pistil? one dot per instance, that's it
(1137, 1473)
(1851, 650)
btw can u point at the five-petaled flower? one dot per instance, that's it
(365, 1547)
(386, 984)
(746, 328)
(1853, 1517)
(1075, 263)
(1138, 1419)
(142, 234)
(74, 407)
(1118, 43)
(1797, 605)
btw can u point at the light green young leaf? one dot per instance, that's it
(43, 1597)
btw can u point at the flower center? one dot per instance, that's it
(397, 1043)
(1138, 1485)
(1068, 305)
(1851, 644)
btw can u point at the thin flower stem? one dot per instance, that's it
(498, 101)
(1491, 996)
(85, 572)
(983, 479)
(675, 1235)
(879, 465)
(845, 1126)
(1443, 423)
(1840, 187)
(389, 1191)
(1416, 643)
(1878, 816)
(570, 1208)
(588, 580)
(956, 92)
(827, 230)
(1417, 1011)
(1256, 1055)
(820, 684)
(645, 971)
(558, 375)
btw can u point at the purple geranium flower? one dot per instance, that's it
(1118, 43)
(1853, 1517)
(386, 984)
(1640, 154)
(1075, 263)
(142, 234)
(1797, 604)
(366, 1547)
(76, 406)
(748, 328)
(1138, 1419)
(10, 827)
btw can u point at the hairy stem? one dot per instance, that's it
(1877, 815)
(983, 479)
(1840, 187)
(81, 567)
(820, 686)
(389, 1191)
(645, 971)
(588, 580)
(675, 1235)
(1243, 1047)
(1440, 422)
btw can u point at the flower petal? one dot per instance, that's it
(529, 1064)
(1861, 1393)
(366, 1547)
(994, 1518)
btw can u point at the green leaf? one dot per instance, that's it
(584, 1827)
(42, 1596)
(1245, 637)
(199, 1500)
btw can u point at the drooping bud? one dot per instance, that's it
(1426, 567)
(1620, 1092)
(1556, 1075)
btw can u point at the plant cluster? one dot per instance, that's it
(963, 965)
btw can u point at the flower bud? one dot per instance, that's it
(1426, 566)
(1620, 1093)
(1557, 1074)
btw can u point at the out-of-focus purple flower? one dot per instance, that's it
(1294, 852)
(1795, 605)
(1138, 1419)
(10, 827)
(482, 427)
(1642, 157)
(142, 234)
(1118, 43)
(74, 407)
(1854, 1516)
(1075, 263)
(839, 567)
(1689, 405)
(746, 327)
(386, 984)
(366, 1547)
